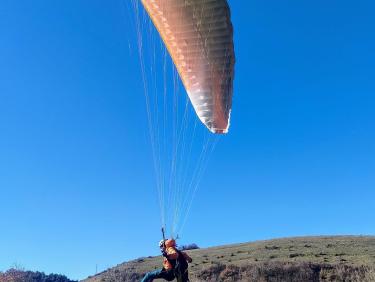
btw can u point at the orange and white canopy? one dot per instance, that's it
(199, 37)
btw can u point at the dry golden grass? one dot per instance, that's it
(325, 258)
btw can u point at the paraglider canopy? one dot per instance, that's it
(199, 37)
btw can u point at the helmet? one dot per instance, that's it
(161, 243)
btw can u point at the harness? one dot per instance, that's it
(180, 265)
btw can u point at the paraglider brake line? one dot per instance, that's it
(163, 232)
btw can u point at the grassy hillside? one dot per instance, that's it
(340, 258)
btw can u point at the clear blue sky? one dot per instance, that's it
(76, 178)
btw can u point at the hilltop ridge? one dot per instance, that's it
(322, 258)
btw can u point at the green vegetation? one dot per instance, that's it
(15, 275)
(340, 258)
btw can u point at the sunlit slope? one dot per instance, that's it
(290, 259)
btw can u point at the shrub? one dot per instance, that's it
(189, 247)
(14, 275)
